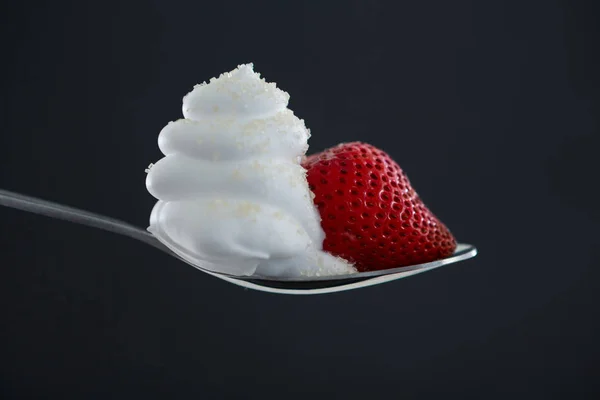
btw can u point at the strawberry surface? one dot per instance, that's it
(370, 213)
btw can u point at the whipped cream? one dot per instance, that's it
(233, 197)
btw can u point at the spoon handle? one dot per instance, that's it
(71, 214)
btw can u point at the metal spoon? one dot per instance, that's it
(312, 285)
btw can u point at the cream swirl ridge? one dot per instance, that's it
(232, 194)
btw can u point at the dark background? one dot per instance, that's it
(491, 107)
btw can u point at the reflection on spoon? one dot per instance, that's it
(311, 285)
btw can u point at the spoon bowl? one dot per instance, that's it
(302, 286)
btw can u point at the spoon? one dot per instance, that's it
(308, 285)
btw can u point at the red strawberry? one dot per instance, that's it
(370, 213)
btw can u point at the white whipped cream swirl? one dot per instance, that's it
(233, 197)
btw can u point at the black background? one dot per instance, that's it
(491, 107)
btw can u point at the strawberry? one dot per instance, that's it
(370, 213)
